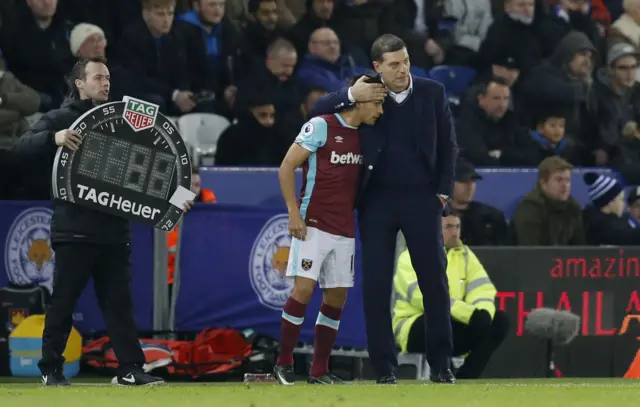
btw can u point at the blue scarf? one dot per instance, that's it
(539, 138)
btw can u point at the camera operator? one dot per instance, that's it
(87, 243)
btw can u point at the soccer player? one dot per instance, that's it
(323, 230)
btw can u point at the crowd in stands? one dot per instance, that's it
(550, 78)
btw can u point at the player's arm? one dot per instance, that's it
(295, 157)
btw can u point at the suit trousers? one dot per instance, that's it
(110, 267)
(480, 345)
(418, 214)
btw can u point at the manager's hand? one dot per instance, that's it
(187, 205)
(68, 138)
(368, 92)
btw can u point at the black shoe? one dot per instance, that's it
(284, 374)
(444, 376)
(388, 379)
(136, 378)
(55, 378)
(327, 378)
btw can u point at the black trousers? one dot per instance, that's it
(418, 214)
(110, 267)
(480, 343)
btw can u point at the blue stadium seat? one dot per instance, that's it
(419, 72)
(455, 79)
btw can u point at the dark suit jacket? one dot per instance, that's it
(433, 126)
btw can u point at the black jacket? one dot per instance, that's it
(70, 222)
(608, 229)
(248, 143)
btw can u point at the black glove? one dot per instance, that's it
(480, 322)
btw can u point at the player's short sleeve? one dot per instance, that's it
(313, 134)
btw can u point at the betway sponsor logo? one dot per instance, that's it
(116, 202)
(348, 158)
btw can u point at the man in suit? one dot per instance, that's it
(408, 176)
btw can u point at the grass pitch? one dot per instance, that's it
(490, 393)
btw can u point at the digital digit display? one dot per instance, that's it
(139, 162)
(115, 161)
(92, 153)
(161, 173)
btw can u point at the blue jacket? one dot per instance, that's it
(318, 73)
(438, 143)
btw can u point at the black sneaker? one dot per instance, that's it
(284, 374)
(55, 378)
(443, 377)
(327, 378)
(137, 378)
(388, 379)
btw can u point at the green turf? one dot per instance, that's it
(490, 393)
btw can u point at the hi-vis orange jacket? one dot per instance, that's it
(207, 196)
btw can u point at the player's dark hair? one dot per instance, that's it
(371, 78)
(195, 170)
(79, 71)
(385, 43)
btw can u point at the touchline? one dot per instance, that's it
(117, 202)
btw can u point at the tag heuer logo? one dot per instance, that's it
(140, 115)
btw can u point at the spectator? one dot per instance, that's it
(254, 140)
(324, 67)
(506, 66)
(548, 215)
(550, 139)
(626, 29)
(425, 30)
(88, 41)
(360, 22)
(212, 49)
(616, 111)
(482, 224)
(603, 219)
(275, 77)
(36, 49)
(313, 94)
(473, 19)
(261, 30)
(478, 327)
(564, 82)
(111, 16)
(488, 132)
(634, 208)
(319, 14)
(523, 31)
(576, 15)
(153, 48)
(17, 101)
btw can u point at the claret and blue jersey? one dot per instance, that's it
(330, 176)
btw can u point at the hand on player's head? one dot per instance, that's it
(363, 91)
